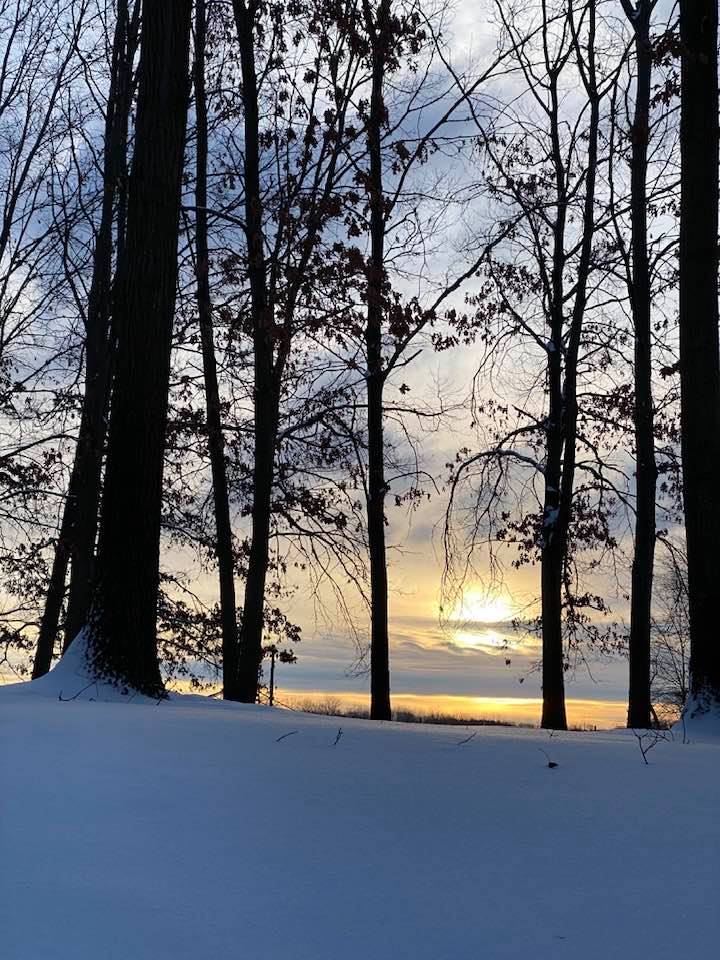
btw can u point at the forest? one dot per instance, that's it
(231, 233)
(340, 338)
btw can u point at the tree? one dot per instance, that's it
(216, 443)
(268, 368)
(78, 528)
(412, 101)
(699, 348)
(543, 168)
(639, 705)
(380, 31)
(40, 58)
(290, 175)
(561, 422)
(122, 620)
(670, 634)
(84, 495)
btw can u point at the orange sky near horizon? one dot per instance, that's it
(604, 714)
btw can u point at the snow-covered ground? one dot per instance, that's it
(194, 829)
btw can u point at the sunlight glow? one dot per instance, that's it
(490, 639)
(604, 714)
(476, 606)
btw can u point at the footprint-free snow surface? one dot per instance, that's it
(194, 829)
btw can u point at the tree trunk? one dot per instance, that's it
(122, 620)
(554, 716)
(699, 366)
(562, 420)
(76, 540)
(102, 344)
(216, 444)
(267, 391)
(87, 472)
(552, 555)
(271, 685)
(263, 473)
(55, 593)
(639, 705)
(380, 708)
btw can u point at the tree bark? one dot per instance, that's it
(267, 391)
(552, 556)
(699, 365)
(100, 346)
(639, 705)
(562, 420)
(76, 540)
(376, 486)
(216, 443)
(122, 620)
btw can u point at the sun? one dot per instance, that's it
(476, 606)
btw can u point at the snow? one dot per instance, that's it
(189, 829)
(699, 722)
(72, 678)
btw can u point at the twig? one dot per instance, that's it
(654, 737)
(466, 740)
(292, 732)
(551, 763)
(337, 738)
(68, 699)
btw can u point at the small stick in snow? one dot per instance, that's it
(337, 738)
(466, 740)
(551, 763)
(68, 699)
(653, 737)
(292, 732)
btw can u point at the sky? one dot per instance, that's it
(469, 662)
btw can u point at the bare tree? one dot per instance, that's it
(699, 349)
(216, 442)
(669, 651)
(414, 99)
(268, 367)
(78, 528)
(122, 622)
(380, 31)
(39, 62)
(639, 706)
(543, 168)
(285, 223)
